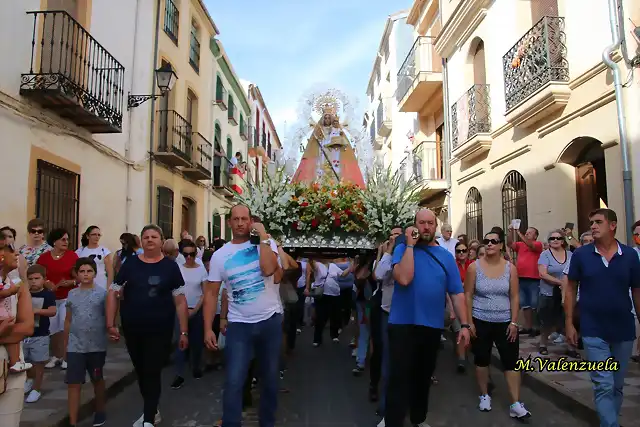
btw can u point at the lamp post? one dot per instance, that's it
(165, 79)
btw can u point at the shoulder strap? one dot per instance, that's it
(435, 258)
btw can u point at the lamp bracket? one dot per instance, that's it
(137, 100)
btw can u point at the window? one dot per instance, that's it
(514, 200)
(473, 214)
(164, 199)
(58, 198)
(194, 48)
(171, 20)
(229, 148)
(217, 225)
(192, 102)
(231, 112)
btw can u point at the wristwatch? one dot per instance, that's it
(465, 325)
(514, 324)
(266, 241)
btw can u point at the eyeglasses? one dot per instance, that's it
(555, 238)
(36, 231)
(491, 241)
(94, 256)
(189, 254)
(461, 251)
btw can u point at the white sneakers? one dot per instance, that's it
(33, 396)
(55, 361)
(485, 403)
(28, 385)
(20, 366)
(518, 411)
(140, 421)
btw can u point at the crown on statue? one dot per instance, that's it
(326, 104)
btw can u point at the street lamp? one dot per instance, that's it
(165, 79)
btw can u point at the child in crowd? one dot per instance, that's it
(85, 329)
(36, 347)
(9, 306)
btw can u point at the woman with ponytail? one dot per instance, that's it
(99, 254)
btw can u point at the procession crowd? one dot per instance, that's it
(239, 305)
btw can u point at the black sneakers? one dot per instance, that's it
(177, 383)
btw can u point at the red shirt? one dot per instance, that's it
(527, 263)
(58, 270)
(462, 268)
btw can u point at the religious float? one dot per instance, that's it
(328, 207)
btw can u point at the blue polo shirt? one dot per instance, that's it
(605, 306)
(423, 301)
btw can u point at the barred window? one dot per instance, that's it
(165, 211)
(473, 214)
(514, 200)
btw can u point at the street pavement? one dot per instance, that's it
(322, 392)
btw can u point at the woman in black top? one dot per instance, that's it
(149, 289)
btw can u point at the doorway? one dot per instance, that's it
(188, 219)
(586, 155)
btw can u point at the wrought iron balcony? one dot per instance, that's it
(428, 160)
(537, 59)
(383, 117)
(222, 97)
(201, 166)
(175, 146)
(71, 74)
(470, 119)
(221, 172)
(420, 75)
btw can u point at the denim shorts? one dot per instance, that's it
(529, 290)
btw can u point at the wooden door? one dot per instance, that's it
(587, 194)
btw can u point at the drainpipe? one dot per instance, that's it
(152, 125)
(627, 187)
(127, 144)
(447, 139)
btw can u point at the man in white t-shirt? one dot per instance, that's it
(251, 274)
(446, 241)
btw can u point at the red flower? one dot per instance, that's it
(304, 204)
(328, 205)
(314, 223)
(348, 212)
(294, 225)
(336, 222)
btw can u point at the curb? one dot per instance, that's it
(86, 409)
(554, 394)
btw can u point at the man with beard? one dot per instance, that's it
(424, 273)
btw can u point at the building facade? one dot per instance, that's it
(231, 114)
(391, 131)
(420, 92)
(264, 142)
(182, 150)
(532, 113)
(77, 156)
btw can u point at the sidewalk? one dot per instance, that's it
(51, 409)
(574, 389)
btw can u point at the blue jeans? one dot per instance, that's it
(529, 291)
(243, 340)
(384, 322)
(196, 344)
(363, 338)
(607, 385)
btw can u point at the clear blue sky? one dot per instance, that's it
(288, 46)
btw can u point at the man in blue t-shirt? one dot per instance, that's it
(424, 273)
(606, 271)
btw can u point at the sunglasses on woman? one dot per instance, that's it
(36, 231)
(491, 241)
(189, 254)
(461, 251)
(555, 238)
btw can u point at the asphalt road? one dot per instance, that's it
(324, 393)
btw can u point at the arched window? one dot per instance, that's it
(514, 201)
(473, 214)
(164, 200)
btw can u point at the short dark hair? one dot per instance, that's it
(207, 255)
(635, 225)
(397, 226)
(536, 230)
(11, 230)
(85, 261)
(187, 243)
(55, 235)
(498, 231)
(35, 222)
(37, 269)
(609, 214)
(461, 243)
(218, 243)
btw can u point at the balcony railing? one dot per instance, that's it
(383, 117)
(175, 145)
(428, 160)
(72, 74)
(201, 167)
(221, 171)
(171, 20)
(222, 97)
(421, 59)
(471, 115)
(539, 57)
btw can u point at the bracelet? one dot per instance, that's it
(410, 246)
(514, 324)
